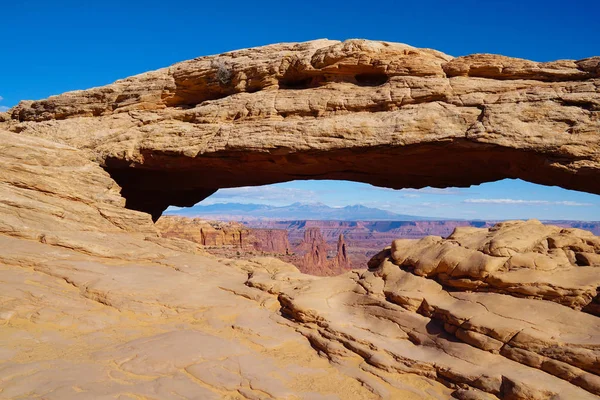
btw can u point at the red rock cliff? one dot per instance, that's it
(206, 233)
(271, 240)
(314, 261)
(224, 234)
(341, 258)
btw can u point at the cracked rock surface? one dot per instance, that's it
(412, 311)
(94, 304)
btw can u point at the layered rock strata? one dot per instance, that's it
(521, 259)
(224, 234)
(206, 233)
(412, 313)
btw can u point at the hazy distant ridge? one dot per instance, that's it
(296, 211)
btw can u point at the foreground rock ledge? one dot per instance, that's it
(382, 113)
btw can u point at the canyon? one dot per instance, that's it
(314, 246)
(225, 234)
(96, 303)
(310, 252)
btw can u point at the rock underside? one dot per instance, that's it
(94, 303)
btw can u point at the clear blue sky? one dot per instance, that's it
(507, 199)
(53, 46)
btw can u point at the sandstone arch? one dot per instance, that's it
(375, 112)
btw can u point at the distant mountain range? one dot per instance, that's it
(296, 211)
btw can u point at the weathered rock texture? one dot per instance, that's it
(95, 304)
(501, 310)
(522, 259)
(383, 113)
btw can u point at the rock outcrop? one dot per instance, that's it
(314, 255)
(341, 256)
(355, 110)
(95, 304)
(507, 311)
(521, 259)
(314, 249)
(272, 241)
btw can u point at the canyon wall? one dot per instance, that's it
(271, 241)
(225, 234)
(206, 233)
(310, 255)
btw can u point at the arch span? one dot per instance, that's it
(382, 113)
(457, 163)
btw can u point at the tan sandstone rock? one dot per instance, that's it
(95, 304)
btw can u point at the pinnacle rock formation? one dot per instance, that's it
(355, 110)
(341, 257)
(314, 249)
(314, 252)
(94, 303)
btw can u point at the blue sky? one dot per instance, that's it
(53, 47)
(507, 199)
